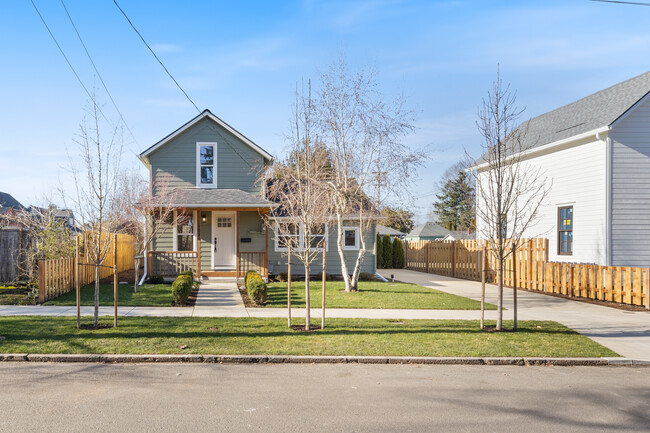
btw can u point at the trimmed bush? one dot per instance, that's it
(398, 254)
(366, 276)
(248, 274)
(387, 250)
(155, 279)
(188, 273)
(282, 277)
(319, 277)
(181, 289)
(256, 288)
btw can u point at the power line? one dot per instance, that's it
(92, 98)
(97, 71)
(622, 2)
(154, 54)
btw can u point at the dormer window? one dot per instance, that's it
(206, 167)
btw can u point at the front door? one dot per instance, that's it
(224, 253)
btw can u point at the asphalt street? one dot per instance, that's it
(321, 398)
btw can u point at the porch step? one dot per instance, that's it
(219, 279)
(217, 274)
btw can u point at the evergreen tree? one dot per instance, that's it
(398, 219)
(388, 251)
(454, 207)
(398, 254)
(380, 252)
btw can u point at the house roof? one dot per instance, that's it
(460, 235)
(428, 229)
(215, 197)
(598, 110)
(205, 114)
(383, 230)
(8, 202)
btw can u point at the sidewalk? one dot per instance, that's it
(625, 332)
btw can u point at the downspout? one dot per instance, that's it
(144, 255)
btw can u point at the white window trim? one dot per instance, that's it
(198, 164)
(301, 239)
(175, 243)
(357, 243)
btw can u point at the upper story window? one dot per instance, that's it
(351, 238)
(206, 166)
(565, 230)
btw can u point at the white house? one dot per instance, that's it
(596, 153)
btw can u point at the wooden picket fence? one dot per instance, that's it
(57, 276)
(530, 267)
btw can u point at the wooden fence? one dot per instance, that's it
(532, 270)
(57, 276)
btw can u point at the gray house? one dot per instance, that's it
(210, 174)
(427, 232)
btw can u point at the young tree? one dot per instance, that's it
(454, 207)
(509, 190)
(96, 175)
(300, 188)
(397, 218)
(363, 133)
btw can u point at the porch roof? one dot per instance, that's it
(193, 198)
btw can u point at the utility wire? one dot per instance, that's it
(154, 54)
(92, 98)
(97, 71)
(622, 2)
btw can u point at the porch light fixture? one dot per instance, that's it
(203, 217)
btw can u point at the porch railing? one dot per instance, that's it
(253, 261)
(171, 263)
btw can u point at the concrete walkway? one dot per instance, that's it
(625, 332)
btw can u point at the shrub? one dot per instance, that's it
(387, 251)
(155, 279)
(319, 277)
(248, 274)
(181, 289)
(256, 288)
(282, 277)
(366, 276)
(380, 252)
(188, 273)
(398, 254)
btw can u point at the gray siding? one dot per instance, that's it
(250, 226)
(630, 194)
(278, 260)
(238, 165)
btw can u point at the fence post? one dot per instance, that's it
(426, 247)
(453, 258)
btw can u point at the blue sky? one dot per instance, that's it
(242, 60)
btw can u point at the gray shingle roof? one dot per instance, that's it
(383, 230)
(7, 202)
(428, 229)
(595, 111)
(217, 197)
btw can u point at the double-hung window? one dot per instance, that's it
(184, 233)
(318, 238)
(206, 167)
(351, 238)
(565, 230)
(294, 234)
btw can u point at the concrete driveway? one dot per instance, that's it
(625, 332)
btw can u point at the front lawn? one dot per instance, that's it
(16, 294)
(371, 294)
(253, 336)
(149, 295)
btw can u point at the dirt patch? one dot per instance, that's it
(248, 303)
(301, 328)
(493, 328)
(92, 327)
(192, 298)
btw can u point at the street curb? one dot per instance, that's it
(293, 359)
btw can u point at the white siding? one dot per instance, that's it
(578, 179)
(631, 188)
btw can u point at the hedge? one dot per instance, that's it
(181, 289)
(256, 287)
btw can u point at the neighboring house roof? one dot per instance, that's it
(459, 235)
(428, 229)
(599, 110)
(205, 114)
(217, 197)
(383, 230)
(8, 202)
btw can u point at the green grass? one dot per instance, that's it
(149, 295)
(140, 335)
(371, 294)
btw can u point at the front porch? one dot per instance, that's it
(213, 242)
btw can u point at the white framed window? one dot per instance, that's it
(206, 164)
(351, 238)
(295, 234)
(185, 231)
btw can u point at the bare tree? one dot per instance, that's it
(363, 134)
(299, 187)
(96, 174)
(145, 213)
(509, 191)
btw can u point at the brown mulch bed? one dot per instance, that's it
(192, 299)
(244, 296)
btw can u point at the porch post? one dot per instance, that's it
(199, 219)
(237, 245)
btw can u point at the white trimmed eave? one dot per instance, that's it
(598, 134)
(144, 156)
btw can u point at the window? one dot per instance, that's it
(184, 232)
(565, 230)
(350, 238)
(206, 164)
(224, 221)
(286, 233)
